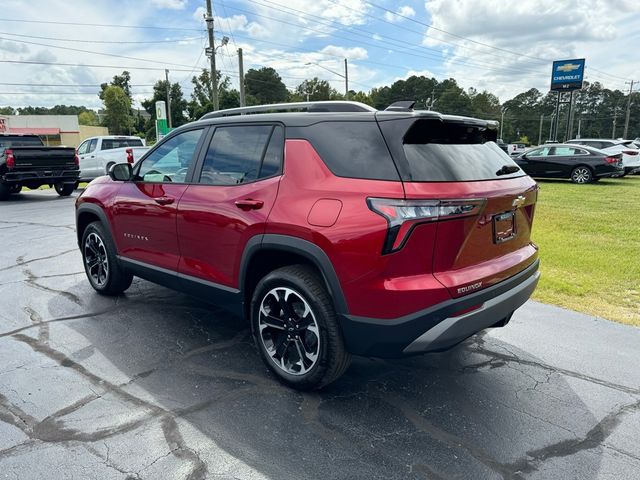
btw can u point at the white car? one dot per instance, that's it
(514, 149)
(628, 149)
(97, 154)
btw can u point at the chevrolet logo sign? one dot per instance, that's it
(568, 67)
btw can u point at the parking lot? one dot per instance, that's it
(155, 384)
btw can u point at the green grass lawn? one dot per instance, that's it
(589, 238)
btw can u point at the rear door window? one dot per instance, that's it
(439, 151)
(243, 153)
(111, 143)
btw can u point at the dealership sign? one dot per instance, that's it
(567, 74)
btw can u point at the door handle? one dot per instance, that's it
(164, 200)
(92, 156)
(249, 204)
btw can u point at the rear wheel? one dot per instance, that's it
(581, 175)
(100, 262)
(15, 188)
(5, 190)
(295, 328)
(64, 189)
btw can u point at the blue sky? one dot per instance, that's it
(502, 46)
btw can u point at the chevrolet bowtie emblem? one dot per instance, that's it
(518, 202)
(568, 67)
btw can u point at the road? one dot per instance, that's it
(156, 385)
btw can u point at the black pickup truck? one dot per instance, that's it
(26, 162)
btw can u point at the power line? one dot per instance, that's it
(94, 52)
(64, 85)
(151, 27)
(78, 40)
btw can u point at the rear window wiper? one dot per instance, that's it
(507, 169)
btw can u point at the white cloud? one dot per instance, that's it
(170, 4)
(538, 30)
(354, 53)
(404, 11)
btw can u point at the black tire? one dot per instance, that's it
(64, 189)
(581, 175)
(5, 191)
(303, 286)
(15, 188)
(97, 246)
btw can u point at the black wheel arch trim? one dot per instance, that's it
(302, 247)
(94, 210)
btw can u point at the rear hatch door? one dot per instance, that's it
(486, 202)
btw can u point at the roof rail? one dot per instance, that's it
(320, 106)
(402, 106)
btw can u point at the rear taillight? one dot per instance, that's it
(630, 152)
(403, 215)
(611, 160)
(129, 155)
(9, 158)
(76, 159)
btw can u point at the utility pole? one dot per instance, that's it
(540, 130)
(241, 71)
(166, 76)
(626, 120)
(502, 123)
(579, 125)
(211, 51)
(346, 80)
(615, 118)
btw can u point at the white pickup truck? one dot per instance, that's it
(97, 154)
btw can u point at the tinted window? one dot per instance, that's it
(236, 154)
(111, 143)
(92, 145)
(170, 161)
(351, 149)
(7, 141)
(447, 152)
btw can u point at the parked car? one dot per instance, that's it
(98, 154)
(335, 228)
(26, 162)
(503, 146)
(514, 149)
(580, 164)
(628, 149)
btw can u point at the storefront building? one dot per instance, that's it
(53, 129)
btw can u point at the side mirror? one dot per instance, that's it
(121, 172)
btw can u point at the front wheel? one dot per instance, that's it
(295, 328)
(15, 188)
(64, 189)
(581, 175)
(101, 263)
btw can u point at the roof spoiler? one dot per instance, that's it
(402, 106)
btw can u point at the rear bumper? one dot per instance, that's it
(438, 328)
(42, 176)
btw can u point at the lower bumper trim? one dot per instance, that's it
(454, 330)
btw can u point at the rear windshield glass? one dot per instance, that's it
(451, 152)
(110, 144)
(8, 142)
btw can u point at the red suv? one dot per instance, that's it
(335, 228)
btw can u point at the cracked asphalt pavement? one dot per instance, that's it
(157, 385)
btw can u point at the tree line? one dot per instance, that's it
(598, 111)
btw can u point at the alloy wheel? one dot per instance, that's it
(289, 331)
(581, 175)
(96, 260)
